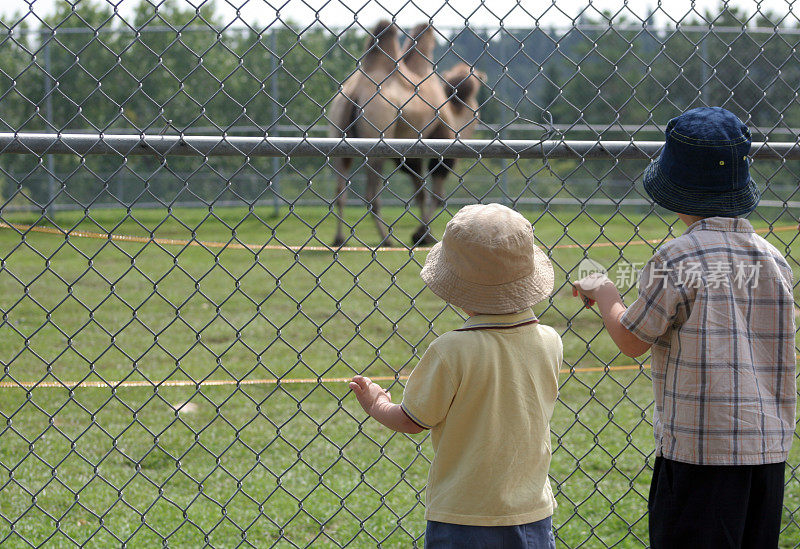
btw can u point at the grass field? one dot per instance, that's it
(288, 464)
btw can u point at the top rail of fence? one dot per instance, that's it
(199, 145)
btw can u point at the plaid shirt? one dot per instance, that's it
(716, 304)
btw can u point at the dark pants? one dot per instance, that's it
(534, 535)
(715, 506)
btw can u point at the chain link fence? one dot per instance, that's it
(211, 217)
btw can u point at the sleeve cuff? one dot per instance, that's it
(413, 418)
(636, 330)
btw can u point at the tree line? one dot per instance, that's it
(175, 69)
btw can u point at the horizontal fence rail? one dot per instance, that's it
(196, 145)
(494, 129)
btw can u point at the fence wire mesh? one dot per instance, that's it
(190, 266)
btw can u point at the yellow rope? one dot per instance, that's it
(293, 248)
(219, 382)
(266, 381)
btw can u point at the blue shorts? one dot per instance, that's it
(534, 535)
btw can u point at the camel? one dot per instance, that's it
(397, 94)
(462, 84)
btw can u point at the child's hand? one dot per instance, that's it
(589, 287)
(369, 394)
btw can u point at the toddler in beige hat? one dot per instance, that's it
(486, 390)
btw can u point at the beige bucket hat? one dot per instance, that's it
(487, 262)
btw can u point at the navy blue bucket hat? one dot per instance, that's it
(703, 168)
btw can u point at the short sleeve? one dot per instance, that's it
(656, 308)
(560, 352)
(429, 391)
(559, 362)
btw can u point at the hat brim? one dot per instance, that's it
(670, 195)
(504, 298)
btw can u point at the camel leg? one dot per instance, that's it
(341, 166)
(374, 183)
(422, 235)
(438, 190)
(440, 174)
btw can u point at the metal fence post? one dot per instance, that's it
(508, 114)
(48, 114)
(276, 163)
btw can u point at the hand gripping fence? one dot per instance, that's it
(211, 217)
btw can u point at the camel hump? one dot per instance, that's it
(464, 83)
(419, 47)
(382, 48)
(422, 40)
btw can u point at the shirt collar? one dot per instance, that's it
(725, 224)
(511, 320)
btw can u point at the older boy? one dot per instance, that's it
(486, 390)
(715, 307)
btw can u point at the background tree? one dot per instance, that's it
(174, 69)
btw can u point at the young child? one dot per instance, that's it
(715, 308)
(486, 390)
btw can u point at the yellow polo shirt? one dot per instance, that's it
(487, 392)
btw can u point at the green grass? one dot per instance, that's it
(288, 464)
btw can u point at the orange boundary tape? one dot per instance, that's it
(260, 247)
(268, 381)
(222, 382)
